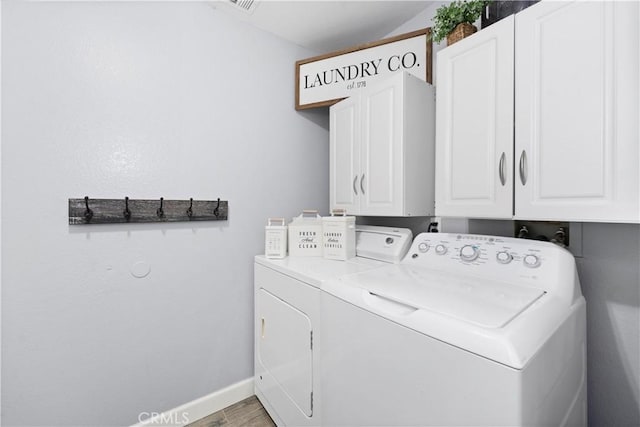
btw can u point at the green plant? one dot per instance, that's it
(448, 16)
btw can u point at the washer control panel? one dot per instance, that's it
(534, 263)
(490, 256)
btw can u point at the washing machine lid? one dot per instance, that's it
(482, 302)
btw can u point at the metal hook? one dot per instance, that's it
(190, 210)
(216, 211)
(127, 212)
(160, 211)
(88, 213)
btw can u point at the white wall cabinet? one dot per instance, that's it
(382, 143)
(577, 112)
(575, 155)
(474, 128)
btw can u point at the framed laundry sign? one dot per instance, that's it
(326, 79)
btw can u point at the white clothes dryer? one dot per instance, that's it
(466, 331)
(287, 321)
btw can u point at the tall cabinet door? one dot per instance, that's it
(474, 125)
(577, 112)
(381, 148)
(344, 149)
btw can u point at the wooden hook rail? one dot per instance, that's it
(117, 211)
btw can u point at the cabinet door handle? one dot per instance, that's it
(523, 167)
(503, 178)
(361, 187)
(355, 179)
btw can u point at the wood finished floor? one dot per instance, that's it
(248, 412)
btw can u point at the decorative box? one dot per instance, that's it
(339, 235)
(275, 238)
(305, 234)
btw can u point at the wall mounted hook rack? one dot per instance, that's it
(116, 211)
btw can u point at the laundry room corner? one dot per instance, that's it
(127, 323)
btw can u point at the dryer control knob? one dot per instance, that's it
(469, 253)
(441, 249)
(423, 247)
(504, 257)
(531, 261)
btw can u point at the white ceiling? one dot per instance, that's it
(327, 25)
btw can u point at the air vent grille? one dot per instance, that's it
(246, 5)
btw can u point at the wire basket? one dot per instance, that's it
(461, 31)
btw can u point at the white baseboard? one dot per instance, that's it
(199, 408)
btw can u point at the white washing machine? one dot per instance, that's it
(466, 331)
(287, 321)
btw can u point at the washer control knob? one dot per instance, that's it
(389, 240)
(441, 249)
(423, 247)
(504, 257)
(531, 261)
(469, 253)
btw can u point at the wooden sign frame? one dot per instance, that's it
(343, 77)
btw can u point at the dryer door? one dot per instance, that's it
(285, 349)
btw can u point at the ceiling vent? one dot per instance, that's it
(247, 5)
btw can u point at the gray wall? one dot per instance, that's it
(610, 276)
(139, 99)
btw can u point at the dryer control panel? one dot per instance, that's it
(509, 259)
(388, 244)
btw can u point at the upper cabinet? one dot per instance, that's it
(474, 129)
(577, 111)
(382, 149)
(574, 75)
